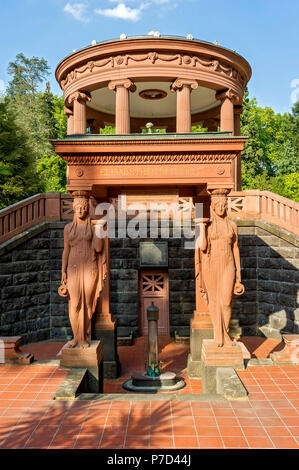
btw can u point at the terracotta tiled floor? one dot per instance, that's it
(29, 418)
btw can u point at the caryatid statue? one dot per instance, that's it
(84, 269)
(220, 266)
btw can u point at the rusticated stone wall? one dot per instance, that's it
(30, 270)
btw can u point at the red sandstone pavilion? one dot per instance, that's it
(174, 82)
(170, 83)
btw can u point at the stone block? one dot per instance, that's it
(91, 359)
(229, 385)
(11, 353)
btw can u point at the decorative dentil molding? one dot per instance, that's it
(141, 159)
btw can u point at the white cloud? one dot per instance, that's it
(77, 10)
(121, 11)
(2, 87)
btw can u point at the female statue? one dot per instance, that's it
(83, 269)
(220, 266)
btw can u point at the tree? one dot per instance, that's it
(17, 173)
(41, 117)
(270, 160)
(27, 75)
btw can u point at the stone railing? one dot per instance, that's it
(21, 216)
(252, 204)
(249, 204)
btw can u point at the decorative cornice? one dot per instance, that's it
(126, 83)
(179, 83)
(148, 159)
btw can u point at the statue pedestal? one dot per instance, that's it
(91, 359)
(200, 328)
(105, 329)
(10, 352)
(214, 357)
(290, 352)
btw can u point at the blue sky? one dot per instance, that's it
(265, 32)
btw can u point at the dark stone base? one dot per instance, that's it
(194, 364)
(112, 369)
(112, 366)
(140, 382)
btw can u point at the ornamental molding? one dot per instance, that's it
(149, 159)
(197, 62)
(228, 94)
(126, 83)
(179, 83)
(81, 96)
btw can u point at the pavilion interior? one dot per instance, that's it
(153, 101)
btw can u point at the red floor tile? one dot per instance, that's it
(284, 442)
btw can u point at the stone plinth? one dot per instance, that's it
(91, 359)
(214, 357)
(10, 352)
(290, 352)
(140, 382)
(200, 328)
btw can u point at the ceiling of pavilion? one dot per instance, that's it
(202, 99)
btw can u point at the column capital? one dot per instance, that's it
(238, 109)
(229, 94)
(125, 82)
(84, 194)
(81, 96)
(181, 82)
(68, 111)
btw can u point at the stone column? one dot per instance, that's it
(70, 120)
(237, 117)
(105, 325)
(200, 325)
(79, 99)
(228, 98)
(183, 90)
(122, 104)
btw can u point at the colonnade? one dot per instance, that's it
(230, 109)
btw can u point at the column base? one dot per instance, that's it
(290, 352)
(201, 328)
(107, 333)
(10, 352)
(91, 359)
(213, 358)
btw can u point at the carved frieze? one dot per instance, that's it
(154, 58)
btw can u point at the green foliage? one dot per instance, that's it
(40, 116)
(107, 130)
(199, 128)
(270, 160)
(17, 173)
(27, 75)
